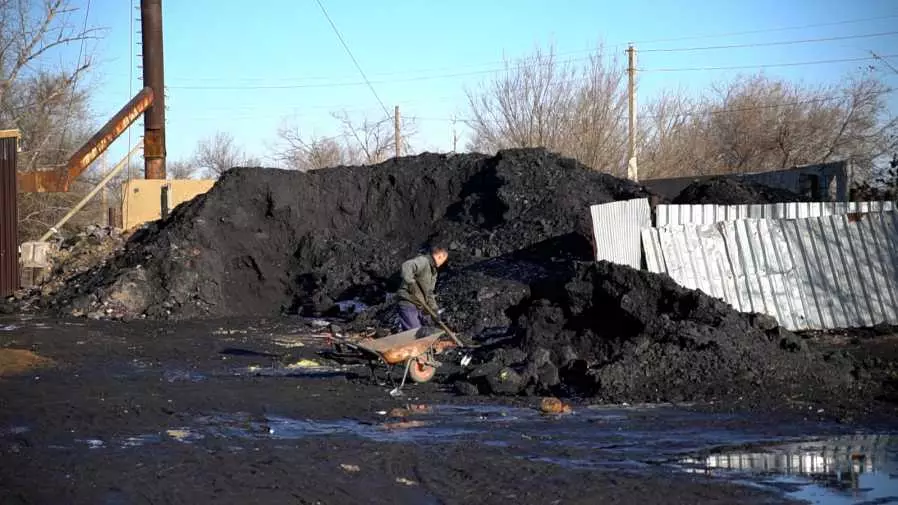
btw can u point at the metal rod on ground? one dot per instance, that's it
(632, 172)
(100, 185)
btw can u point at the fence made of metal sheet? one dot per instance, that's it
(667, 215)
(616, 230)
(835, 271)
(9, 247)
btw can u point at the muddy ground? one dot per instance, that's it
(213, 411)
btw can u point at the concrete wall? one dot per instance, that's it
(142, 198)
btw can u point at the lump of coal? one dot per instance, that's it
(624, 335)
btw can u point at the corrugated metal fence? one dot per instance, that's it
(834, 271)
(616, 230)
(9, 249)
(706, 214)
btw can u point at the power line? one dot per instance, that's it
(565, 53)
(767, 44)
(693, 112)
(491, 71)
(767, 30)
(362, 83)
(769, 65)
(74, 83)
(885, 62)
(348, 51)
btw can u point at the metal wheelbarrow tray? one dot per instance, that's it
(418, 355)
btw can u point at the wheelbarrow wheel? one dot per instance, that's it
(420, 370)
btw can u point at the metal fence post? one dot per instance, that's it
(9, 219)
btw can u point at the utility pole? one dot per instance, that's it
(153, 76)
(397, 137)
(454, 134)
(104, 196)
(632, 172)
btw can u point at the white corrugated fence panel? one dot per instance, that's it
(708, 214)
(834, 271)
(654, 257)
(617, 229)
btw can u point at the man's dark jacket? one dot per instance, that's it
(419, 279)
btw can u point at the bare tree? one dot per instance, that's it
(218, 153)
(46, 101)
(180, 169)
(362, 142)
(540, 101)
(299, 153)
(32, 29)
(757, 123)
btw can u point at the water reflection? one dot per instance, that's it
(832, 471)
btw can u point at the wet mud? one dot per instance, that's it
(150, 412)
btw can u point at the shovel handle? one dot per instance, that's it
(440, 323)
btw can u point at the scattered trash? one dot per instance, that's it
(404, 425)
(350, 468)
(399, 412)
(551, 405)
(183, 435)
(407, 482)
(352, 306)
(19, 361)
(9, 327)
(305, 363)
(223, 331)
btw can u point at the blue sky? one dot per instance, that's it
(245, 67)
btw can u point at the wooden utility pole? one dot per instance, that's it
(632, 172)
(454, 135)
(397, 136)
(104, 196)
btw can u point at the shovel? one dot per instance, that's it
(439, 321)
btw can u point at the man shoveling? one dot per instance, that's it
(419, 278)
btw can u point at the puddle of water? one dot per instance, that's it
(827, 472)
(139, 440)
(834, 471)
(182, 376)
(93, 443)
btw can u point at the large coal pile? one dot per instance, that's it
(728, 190)
(621, 334)
(263, 241)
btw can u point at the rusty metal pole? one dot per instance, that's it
(153, 77)
(9, 240)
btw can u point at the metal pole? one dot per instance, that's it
(398, 139)
(632, 172)
(9, 232)
(153, 77)
(100, 185)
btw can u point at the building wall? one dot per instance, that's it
(142, 198)
(821, 182)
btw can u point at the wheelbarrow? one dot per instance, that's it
(416, 354)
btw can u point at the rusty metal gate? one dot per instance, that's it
(9, 241)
